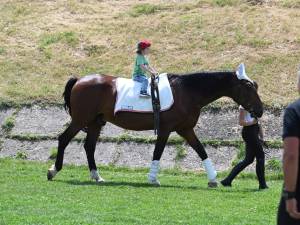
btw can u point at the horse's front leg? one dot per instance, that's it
(159, 148)
(191, 138)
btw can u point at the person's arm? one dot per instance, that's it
(290, 171)
(242, 121)
(153, 70)
(148, 69)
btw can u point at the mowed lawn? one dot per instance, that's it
(26, 197)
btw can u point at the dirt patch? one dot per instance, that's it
(126, 154)
(140, 155)
(221, 157)
(270, 154)
(40, 121)
(224, 125)
(49, 121)
(221, 125)
(4, 114)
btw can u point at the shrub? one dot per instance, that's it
(8, 124)
(53, 153)
(274, 165)
(21, 155)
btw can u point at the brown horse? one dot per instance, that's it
(91, 100)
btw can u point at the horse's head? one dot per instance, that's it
(245, 93)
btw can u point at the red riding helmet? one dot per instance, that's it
(144, 44)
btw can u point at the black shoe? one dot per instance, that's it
(261, 187)
(144, 94)
(225, 183)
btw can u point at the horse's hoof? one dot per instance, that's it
(49, 175)
(95, 176)
(51, 172)
(212, 184)
(154, 182)
(100, 180)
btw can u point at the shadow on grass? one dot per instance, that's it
(146, 185)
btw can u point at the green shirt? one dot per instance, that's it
(139, 60)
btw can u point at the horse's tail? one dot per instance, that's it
(67, 93)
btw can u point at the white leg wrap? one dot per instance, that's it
(95, 176)
(154, 169)
(210, 170)
(53, 170)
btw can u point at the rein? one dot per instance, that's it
(155, 102)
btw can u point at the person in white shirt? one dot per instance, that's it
(252, 134)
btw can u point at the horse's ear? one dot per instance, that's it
(241, 73)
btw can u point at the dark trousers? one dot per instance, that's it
(283, 217)
(254, 150)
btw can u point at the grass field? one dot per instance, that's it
(43, 42)
(26, 197)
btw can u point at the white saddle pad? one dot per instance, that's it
(129, 100)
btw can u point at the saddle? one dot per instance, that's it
(128, 97)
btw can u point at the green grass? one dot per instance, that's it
(42, 44)
(173, 140)
(274, 165)
(143, 9)
(181, 152)
(28, 198)
(21, 155)
(8, 124)
(223, 3)
(53, 153)
(291, 3)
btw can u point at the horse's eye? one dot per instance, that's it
(249, 85)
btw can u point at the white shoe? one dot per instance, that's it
(145, 95)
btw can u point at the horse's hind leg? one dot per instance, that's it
(63, 141)
(93, 132)
(191, 138)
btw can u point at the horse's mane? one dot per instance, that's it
(203, 80)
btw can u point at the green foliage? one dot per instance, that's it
(68, 37)
(240, 155)
(8, 123)
(144, 9)
(31, 137)
(257, 43)
(291, 3)
(223, 3)
(2, 50)
(274, 165)
(21, 155)
(180, 152)
(53, 153)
